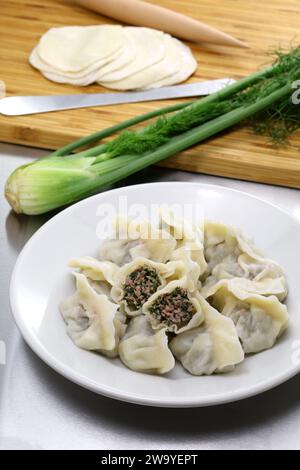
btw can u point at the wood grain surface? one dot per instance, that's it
(237, 154)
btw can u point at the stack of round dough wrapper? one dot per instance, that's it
(121, 58)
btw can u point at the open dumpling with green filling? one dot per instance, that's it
(137, 281)
(174, 307)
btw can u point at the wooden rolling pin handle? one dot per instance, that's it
(141, 13)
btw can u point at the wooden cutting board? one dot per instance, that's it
(237, 154)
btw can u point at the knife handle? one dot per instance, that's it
(142, 13)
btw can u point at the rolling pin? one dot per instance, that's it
(140, 13)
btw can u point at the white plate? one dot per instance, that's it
(41, 279)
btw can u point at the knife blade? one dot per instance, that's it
(22, 105)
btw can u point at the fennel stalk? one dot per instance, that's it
(63, 178)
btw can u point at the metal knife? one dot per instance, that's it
(21, 105)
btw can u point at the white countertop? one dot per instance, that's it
(41, 410)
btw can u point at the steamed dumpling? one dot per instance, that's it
(174, 307)
(259, 320)
(266, 287)
(184, 266)
(101, 274)
(187, 235)
(230, 255)
(95, 269)
(211, 348)
(93, 321)
(145, 350)
(132, 239)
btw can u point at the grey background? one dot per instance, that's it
(41, 410)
